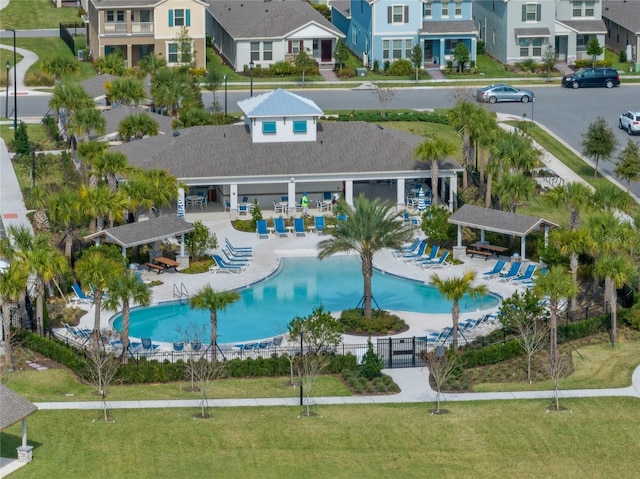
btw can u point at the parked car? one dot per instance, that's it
(500, 92)
(591, 77)
(630, 121)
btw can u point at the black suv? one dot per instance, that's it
(587, 77)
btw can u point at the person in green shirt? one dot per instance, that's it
(304, 201)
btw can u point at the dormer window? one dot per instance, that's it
(268, 127)
(299, 126)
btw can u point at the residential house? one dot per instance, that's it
(145, 27)
(266, 32)
(622, 20)
(387, 30)
(514, 30)
(283, 150)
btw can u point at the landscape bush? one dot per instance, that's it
(589, 63)
(373, 116)
(400, 68)
(346, 72)
(381, 322)
(39, 79)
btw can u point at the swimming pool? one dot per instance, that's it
(264, 310)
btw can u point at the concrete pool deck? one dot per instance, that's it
(267, 253)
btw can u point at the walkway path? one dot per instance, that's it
(28, 59)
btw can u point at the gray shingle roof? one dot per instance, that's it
(95, 86)
(279, 102)
(623, 12)
(116, 115)
(244, 19)
(442, 27)
(532, 32)
(218, 152)
(144, 232)
(585, 26)
(342, 6)
(128, 3)
(496, 220)
(13, 407)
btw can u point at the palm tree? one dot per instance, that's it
(370, 227)
(555, 285)
(85, 121)
(574, 196)
(13, 282)
(461, 118)
(503, 149)
(486, 135)
(137, 126)
(123, 292)
(169, 88)
(97, 269)
(454, 289)
(60, 65)
(616, 269)
(151, 64)
(110, 164)
(573, 243)
(126, 91)
(70, 96)
(40, 258)
(609, 197)
(136, 191)
(89, 153)
(214, 301)
(161, 188)
(65, 209)
(607, 236)
(431, 150)
(38, 198)
(514, 188)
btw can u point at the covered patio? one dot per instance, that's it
(151, 231)
(14, 408)
(486, 219)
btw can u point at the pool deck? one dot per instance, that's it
(265, 262)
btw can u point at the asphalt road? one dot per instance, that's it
(566, 112)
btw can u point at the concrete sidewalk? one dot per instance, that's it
(414, 388)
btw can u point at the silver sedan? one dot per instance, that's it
(496, 93)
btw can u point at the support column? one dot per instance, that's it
(182, 258)
(400, 197)
(459, 251)
(453, 193)
(348, 192)
(443, 62)
(523, 244)
(474, 46)
(129, 52)
(233, 198)
(291, 193)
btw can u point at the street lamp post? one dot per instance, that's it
(251, 66)
(225, 95)
(6, 101)
(301, 372)
(15, 82)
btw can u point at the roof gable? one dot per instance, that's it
(144, 232)
(13, 407)
(496, 220)
(279, 103)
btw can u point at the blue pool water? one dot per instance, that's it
(265, 309)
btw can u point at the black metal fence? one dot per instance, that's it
(68, 32)
(401, 352)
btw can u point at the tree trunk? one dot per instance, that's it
(96, 319)
(214, 334)
(434, 183)
(466, 151)
(124, 337)
(455, 315)
(553, 332)
(68, 245)
(613, 308)
(487, 197)
(40, 313)
(574, 263)
(367, 271)
(6, 327)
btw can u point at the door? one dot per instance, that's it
(326, 51)
(428, 52)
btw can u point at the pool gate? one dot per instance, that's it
(401, 352)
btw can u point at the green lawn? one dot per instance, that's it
(7, 56)
(33, 14)
(597, 438)
(38, 134)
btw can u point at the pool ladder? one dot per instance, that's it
(180, 292)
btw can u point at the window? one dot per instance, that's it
(581, 42)
(589, 9)
(531, 12)
(120, 15)
(110, 16)
(450, 46)
(398, 14)
(396, 49)
(536, 47)
(172, 56)
(267, 51)
(445, 9)
(255, 51)
(427, 10)
(458, 9)
(577, 9)
(385, 49)
(145, 15)
(493, 36)
(269, 127)
(396, 52)
(583, 9)
(531, 47)
(299, 126)
(354, 35)
(180, 17)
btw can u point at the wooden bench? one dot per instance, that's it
(157, 268)
(486, 254)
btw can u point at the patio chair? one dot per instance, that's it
(341, 218)
(227, 205)
(277, 207)
(277, 341)
(245, 199)
(243, 209)
(261, 229)
(319, 223)
(437, 263)
(412, 248)
(497, 269)
(512, 273)
(239, 250)
(178, 346)
(196, 345)
(280, 228)
(326, 196)
(148, 346)
(298, 227)
(413, 256)
(233, 260)
(322, 206)
(80, 295)
(225, 267)
(528, 274)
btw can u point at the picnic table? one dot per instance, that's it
(485, 250)
(166, 263)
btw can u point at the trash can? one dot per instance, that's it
(515, 258)
(637, 67)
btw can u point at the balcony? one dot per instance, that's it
(142, 28)
(115, 28)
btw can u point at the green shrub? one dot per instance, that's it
(623, 56)
(373, 116)
(631, 317)
(588, 63)
(376, 66)
(39, 79)
(386, 65)
(346, 72)
(480, 47)
(282, 68)
(54, 350)
(582, 329)
(528, 64)
(372, 365)
(491, 354)
(380, 322)
(401, 68)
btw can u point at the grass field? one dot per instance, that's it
(597, 438)
(34, 14)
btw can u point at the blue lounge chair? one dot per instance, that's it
(178, 346)
(528, 274)
(414, 256)
(80, 295)
(243, 209)
(512, 273)
(133, 346)
(319, 223)
(238, 250)
(408, 249)
(248, 255)
(281, 230)
(437, 263)
(233, 261)
(432, 256)
(261, 229)
(497, 269)
(196, 345)
(148, 346)
(223, 266)
(341, 217)
(298, 227)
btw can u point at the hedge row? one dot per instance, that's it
(512, 349)
(375, 116)
(54, 350)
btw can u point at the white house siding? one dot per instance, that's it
(284, 130)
